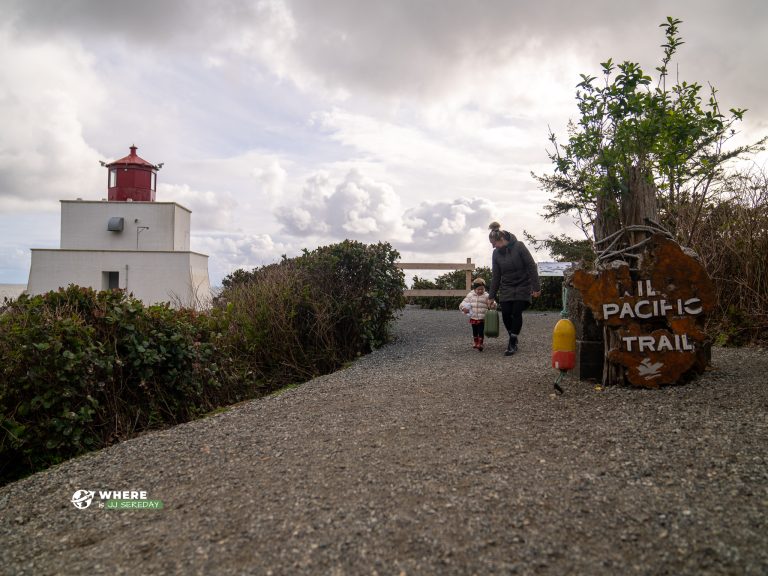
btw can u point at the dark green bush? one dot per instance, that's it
(81, 369)
(551, 297)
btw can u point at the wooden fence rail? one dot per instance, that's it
(468, 266)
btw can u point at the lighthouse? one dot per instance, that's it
(127, 241)
(132, 178)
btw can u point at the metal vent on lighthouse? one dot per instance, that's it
(115, 224)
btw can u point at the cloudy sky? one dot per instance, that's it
(290, 124)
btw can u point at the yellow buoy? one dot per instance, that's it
(564, 345)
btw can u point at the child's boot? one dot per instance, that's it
(476, 342)
(480, 343)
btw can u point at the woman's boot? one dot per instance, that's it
(512, 345)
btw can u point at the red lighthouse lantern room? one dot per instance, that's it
(132, 178)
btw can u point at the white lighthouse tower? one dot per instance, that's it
(128, 242)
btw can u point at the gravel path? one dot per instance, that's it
(427, 457)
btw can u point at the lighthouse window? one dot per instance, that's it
(154, 179)
(110, 280)
(113, 178)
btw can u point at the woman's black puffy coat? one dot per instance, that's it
(515, 274)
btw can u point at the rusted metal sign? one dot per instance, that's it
(654, 314)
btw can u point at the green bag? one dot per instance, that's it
(491, 323)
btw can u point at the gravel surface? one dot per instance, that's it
(427, 457)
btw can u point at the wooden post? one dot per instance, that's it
(469, 275)
(589, 336)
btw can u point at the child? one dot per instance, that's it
(475, 305)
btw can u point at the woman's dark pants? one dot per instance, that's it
(512, 315)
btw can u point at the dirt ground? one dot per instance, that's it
(427, 457)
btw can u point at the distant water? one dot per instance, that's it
(11, 290)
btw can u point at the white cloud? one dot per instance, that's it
(210, 210)
(14, 264)
(399, 144)
(263, 31)
(446, 225)
(271, 179)
(238, 250)
(357, 208)
(361, 208)
(306, 216)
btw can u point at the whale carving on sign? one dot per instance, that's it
(649, 370)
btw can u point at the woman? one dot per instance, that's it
(515, 280)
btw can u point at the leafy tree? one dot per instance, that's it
(563, 248)
(668, 137)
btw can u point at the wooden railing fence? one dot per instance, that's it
(468, 266)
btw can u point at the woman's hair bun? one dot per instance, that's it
(494, 226)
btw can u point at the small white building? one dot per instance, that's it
(128, 241)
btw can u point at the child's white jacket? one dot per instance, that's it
(478, 305)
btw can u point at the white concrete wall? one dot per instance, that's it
(200, 294)
(181, 227)
(177, 277)
(84, 225)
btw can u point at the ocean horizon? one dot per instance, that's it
(11, 291)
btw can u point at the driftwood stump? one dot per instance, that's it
(653, 315)
(589, 335)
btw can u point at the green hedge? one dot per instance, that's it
(81, 369)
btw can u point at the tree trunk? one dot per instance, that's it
(639, 204)
(607, 217)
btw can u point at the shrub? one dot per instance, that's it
(81, 369)
(309, 315)
(731, 237)
(551, 297)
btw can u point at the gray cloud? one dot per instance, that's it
(401, 47)
(147, 20)
(243, 99)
